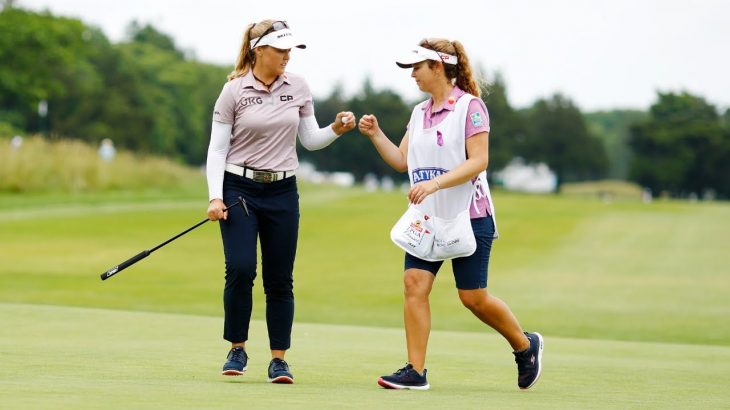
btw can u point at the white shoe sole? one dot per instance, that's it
(389, 385)
(281, 380)
(234, 372)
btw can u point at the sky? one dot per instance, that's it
(601, 54)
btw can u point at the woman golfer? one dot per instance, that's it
(252, 153)
(445, 151)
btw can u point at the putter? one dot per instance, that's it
(138, 257)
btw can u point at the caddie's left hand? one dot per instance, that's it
(421, 190)
(344, 121)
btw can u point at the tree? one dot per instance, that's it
(75, 111)
(682, 148)
(146, 34)
(558, 136)
(353, 152)
(143, 94)
(8, 4)
(612, 128)
(44, 58)
(507, 126)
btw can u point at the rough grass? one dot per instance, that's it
(40, 165)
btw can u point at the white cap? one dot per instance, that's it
(419, 54)
(282, 39)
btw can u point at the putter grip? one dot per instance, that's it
(129, 262)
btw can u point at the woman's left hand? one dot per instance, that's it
(344, 121)
(421, 190)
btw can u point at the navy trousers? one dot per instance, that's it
(273, 219)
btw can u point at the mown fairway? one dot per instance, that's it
(632, 300)
(60, 357)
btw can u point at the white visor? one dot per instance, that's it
(419, 54)
(282, 39)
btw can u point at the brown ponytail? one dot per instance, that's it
(461, 73)
(464, 77)
(246, 58)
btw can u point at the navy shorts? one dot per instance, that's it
(470, 272)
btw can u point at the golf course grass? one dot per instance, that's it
(61, 357)
(632, 300)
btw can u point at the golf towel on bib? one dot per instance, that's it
(414, 233)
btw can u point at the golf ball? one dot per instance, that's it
(344, 120)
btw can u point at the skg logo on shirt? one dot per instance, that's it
(251, 101)
(425, 174)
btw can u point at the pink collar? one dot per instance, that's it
(450, 103)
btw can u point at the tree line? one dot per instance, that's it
(64, 79)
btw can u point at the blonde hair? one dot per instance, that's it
(246, 58)
(461, 73)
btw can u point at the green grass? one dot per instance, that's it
(43, 165)
(60, 357)
(605, 189)
(631, 297)
(569, 267)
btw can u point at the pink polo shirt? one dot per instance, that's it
(478, 117)
(477, 121)
(264, 122)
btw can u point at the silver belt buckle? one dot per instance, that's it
(264, 177)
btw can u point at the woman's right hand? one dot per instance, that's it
(215, 210)
(368, 125)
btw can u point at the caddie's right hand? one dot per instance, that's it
(215, 210)
(368, 125)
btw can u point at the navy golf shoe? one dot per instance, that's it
(529, 362)
(237, 362)
(405, 378)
